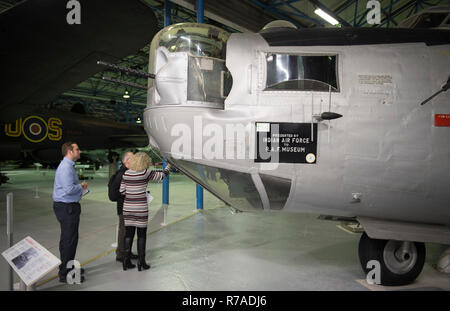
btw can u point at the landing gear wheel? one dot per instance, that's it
(400, 262)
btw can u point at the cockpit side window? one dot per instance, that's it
(301, 72)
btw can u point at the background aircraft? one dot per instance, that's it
(38, 133)
(44, 55)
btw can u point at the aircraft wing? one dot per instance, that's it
(42, 55)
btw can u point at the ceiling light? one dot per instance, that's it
(326, 17)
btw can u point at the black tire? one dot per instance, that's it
(406, 272)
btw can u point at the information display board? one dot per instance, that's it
(30, 260)
(286, 142)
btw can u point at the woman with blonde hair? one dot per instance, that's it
(135, 207)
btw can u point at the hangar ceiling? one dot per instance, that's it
(105, 99)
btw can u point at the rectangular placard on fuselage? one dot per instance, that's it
(286, 142)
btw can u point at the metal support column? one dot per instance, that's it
(200, 11)
(199, 189)
(117, 110)
(127, 112)
(167, 15)
(165, 187)
(199, 195)
(389, 15)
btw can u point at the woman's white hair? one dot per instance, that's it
(139, 162)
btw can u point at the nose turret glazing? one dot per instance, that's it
(189, 63)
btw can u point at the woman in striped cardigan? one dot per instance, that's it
(135, 207)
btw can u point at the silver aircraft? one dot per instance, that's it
(351, 124)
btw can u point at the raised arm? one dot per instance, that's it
(157, 176)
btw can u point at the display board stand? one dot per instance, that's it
(31, 261)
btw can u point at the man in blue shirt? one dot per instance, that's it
(67, 192)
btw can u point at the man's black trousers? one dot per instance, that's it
(68, 215)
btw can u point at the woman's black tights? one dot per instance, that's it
(130, 230)
(142, 240)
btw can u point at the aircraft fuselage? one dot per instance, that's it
(266, 146)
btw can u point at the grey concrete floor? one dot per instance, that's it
(210, 250)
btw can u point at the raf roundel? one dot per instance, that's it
(34, 129)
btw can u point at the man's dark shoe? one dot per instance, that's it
(119, 259)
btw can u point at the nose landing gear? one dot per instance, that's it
(400, 262)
